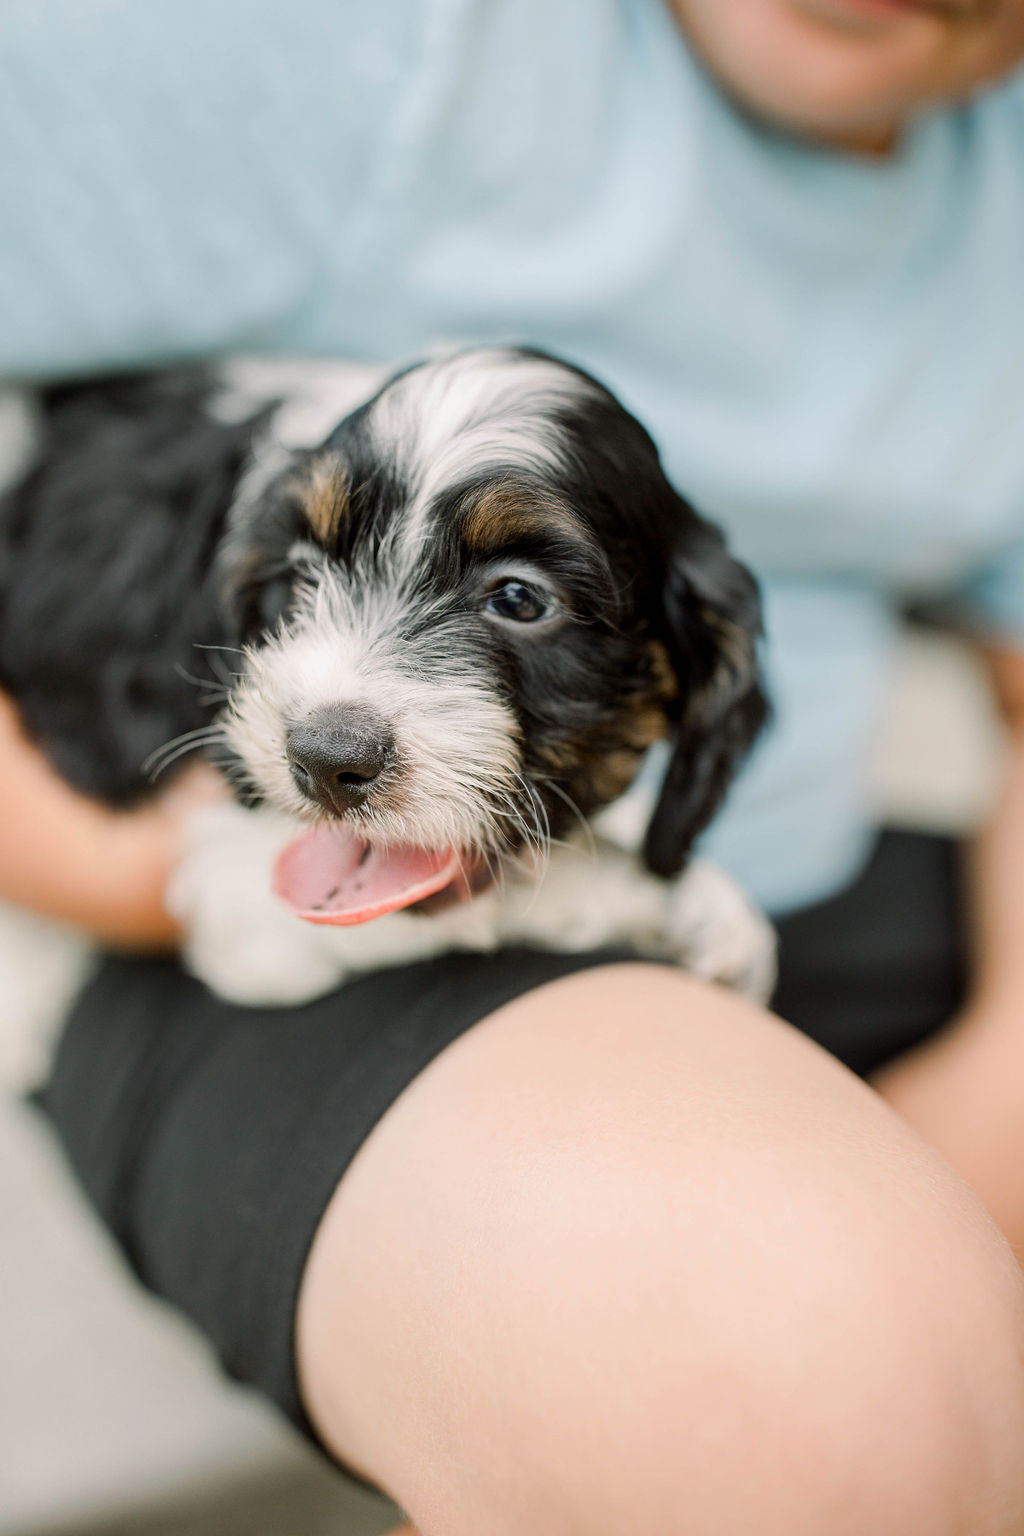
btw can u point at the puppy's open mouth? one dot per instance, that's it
(331, 875)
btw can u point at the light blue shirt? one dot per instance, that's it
(829, 352)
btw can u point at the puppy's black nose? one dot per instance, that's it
(336, 755)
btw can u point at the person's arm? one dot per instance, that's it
(71, 858)
(964, 1090)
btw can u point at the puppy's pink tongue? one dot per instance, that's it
(330, 876)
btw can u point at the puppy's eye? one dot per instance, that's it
(518, 601)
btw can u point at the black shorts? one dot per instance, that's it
(210, 1137)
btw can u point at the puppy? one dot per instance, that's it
(428, 626)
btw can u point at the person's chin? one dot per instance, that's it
(841, 108)
(875, 14)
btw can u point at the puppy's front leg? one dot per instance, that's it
(239, 938)
(721, 935)
(586, 900)
(247, 946)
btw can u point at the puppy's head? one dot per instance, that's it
(473, 608)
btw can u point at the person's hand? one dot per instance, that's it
(963, 1091)
(74, 859)
(141, 847)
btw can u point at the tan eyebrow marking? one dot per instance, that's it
(324, 492)
(665, 684)
(506, 512)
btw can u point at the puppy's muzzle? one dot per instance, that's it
(337, 755)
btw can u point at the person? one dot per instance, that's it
(542, 1245)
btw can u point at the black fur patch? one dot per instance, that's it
(106, 586)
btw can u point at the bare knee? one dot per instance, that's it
(632, 1257)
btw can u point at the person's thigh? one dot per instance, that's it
(630, 1255)
(211, 1136)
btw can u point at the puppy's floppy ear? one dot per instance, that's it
(710, 623)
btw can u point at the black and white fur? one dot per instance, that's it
(478, 559)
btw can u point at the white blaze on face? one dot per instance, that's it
(456, 741)
(490, 409)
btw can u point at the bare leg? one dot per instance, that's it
(633, 1256)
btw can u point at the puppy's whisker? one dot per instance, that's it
(520, 828)
(219, 686)
(495, 868)
(224, 673)
(156, 773)
(543, 821)
(535, 872)
(513, 811)
(462, 870)
(541, 837)
(211, 731)
(588, 830)
(179, 746)
(158, 761)
(537, 833)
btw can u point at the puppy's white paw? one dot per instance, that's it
(260, 963)
(240, 940)
(719, 934)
